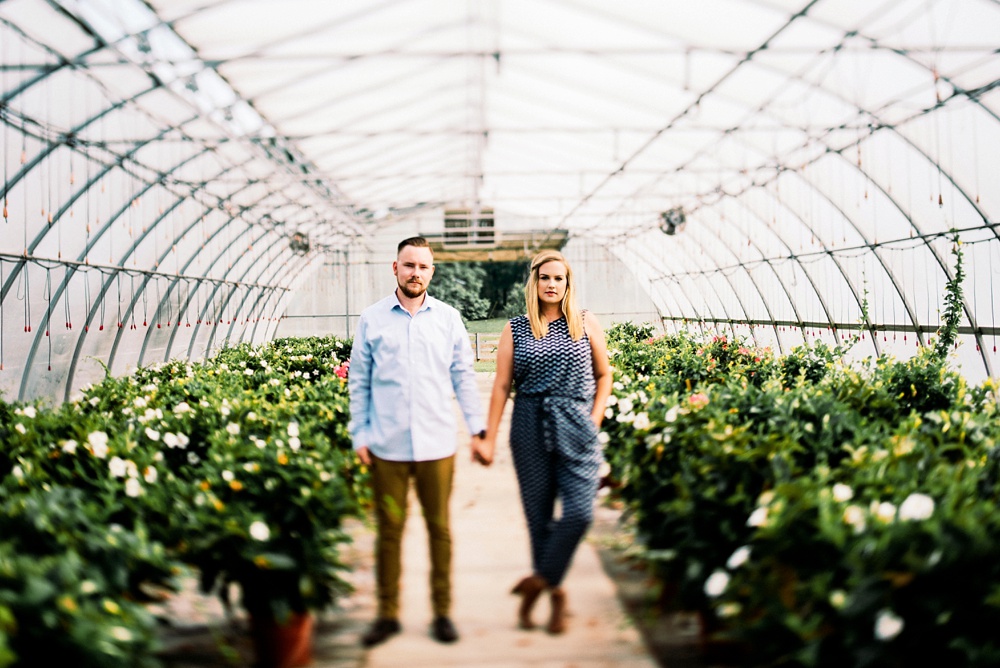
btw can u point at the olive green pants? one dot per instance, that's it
(391, 484)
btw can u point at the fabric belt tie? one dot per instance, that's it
(567, 427)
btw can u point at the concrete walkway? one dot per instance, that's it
(490, 555)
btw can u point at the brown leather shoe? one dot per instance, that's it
(557, 623)
(530, 588)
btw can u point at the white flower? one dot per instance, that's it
(228, 476)
(603, 438)
(855, 516)
(294, 443)
(121, 634)
(716, 583)
(69, 446)
(275, 382)
(671, 415)
(29, 412)
(233, 428)
(247, 372)
(170, 440)
(17, 472)
(183, 440)
(193, 458)
(20, 428)
(842, 493)
(609, 413)
(116, 465)
(612, 400)
(625, 417)
(293, 428)
(182, 408)
(149, 475)
(152, 434)
(139, 402)
(641, 421)
(916, 507)
(251, 416)
(625, 405)
(887, 625)
(260, 531)
(88, 587)
(885, 511)
(837, 599)
(758, 518)
(132, 487)
(98, 441)
(94, 401)
(738, 558)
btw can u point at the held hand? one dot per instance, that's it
(364, 455)
(482, 450)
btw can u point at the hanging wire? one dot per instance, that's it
(67, 277)
(48, 312)
(86, 299)
(2, 311)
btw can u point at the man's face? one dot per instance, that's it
(413, 269)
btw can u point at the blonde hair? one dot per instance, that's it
(574, 318)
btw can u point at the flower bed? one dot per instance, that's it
(824, 514)
(240, 466)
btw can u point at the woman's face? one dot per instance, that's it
(552, 282)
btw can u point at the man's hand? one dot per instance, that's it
(364, 455)
(482, 450)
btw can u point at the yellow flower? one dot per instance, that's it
(261, 561)
(205, 485)
(236, 485)
(67, 604)
(219, 505)
(112, 607)
(282, 458)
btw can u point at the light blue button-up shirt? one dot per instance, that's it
(404, 372)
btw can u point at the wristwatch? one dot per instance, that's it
(481, 434)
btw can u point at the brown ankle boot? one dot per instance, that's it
(557, 623)
(530, 588)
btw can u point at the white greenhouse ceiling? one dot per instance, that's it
(763, 162)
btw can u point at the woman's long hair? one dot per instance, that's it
(574, 319)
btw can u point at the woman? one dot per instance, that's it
(556, 358)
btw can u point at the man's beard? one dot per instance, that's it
(412, 290)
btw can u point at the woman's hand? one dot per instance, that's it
(482, 450)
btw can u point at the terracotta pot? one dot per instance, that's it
(283, 645)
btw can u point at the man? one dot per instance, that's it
(411, 353)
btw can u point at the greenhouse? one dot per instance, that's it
(783, 214)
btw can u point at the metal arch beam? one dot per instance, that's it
(54, 297)
(212, 263)
(651, 267)
(107, 284)
(720, 238)
(263, 267)
(201, 317)
(107, 169)
(103, 45)
(142, 288)
(65, 284)
(284, 268)
(261, 256)
(722, 303)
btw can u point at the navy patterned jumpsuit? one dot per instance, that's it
(554, 441)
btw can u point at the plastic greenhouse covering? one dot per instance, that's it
(181, 175)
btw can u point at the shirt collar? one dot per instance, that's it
(395, 303)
